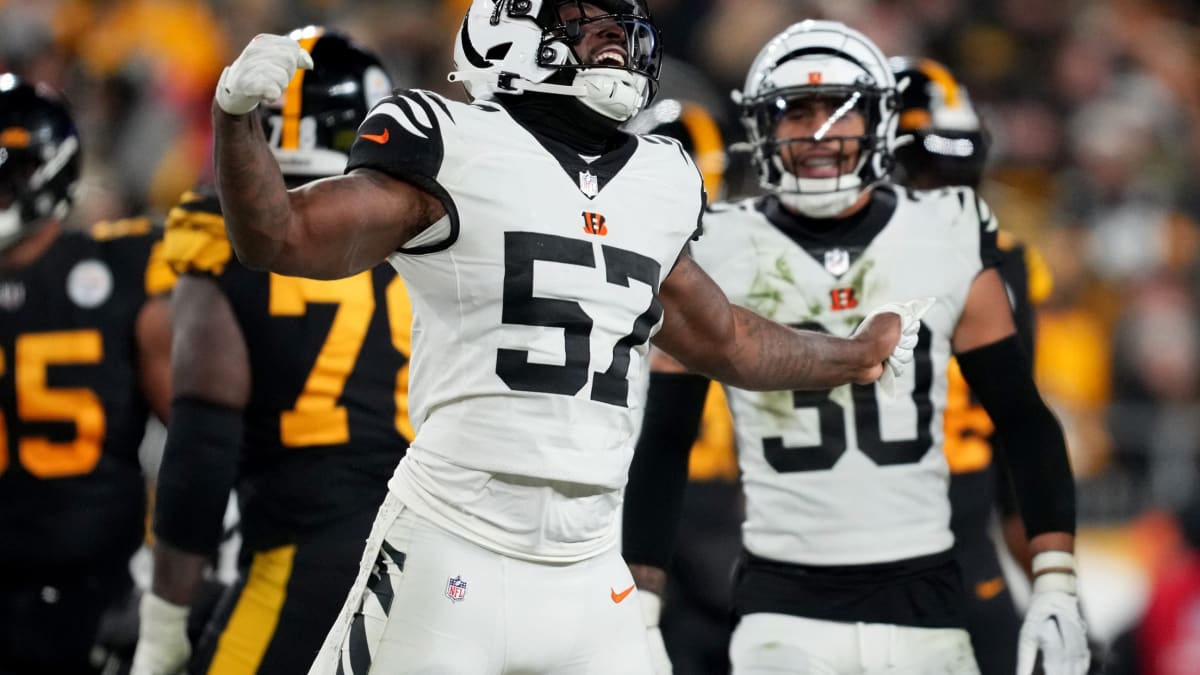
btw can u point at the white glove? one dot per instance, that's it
(651, 611)
(162, 647)
(1053, 623)
(910, 324)
(261, 73)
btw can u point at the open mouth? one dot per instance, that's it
(818, 166)
(610, 56)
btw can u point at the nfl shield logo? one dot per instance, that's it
(456, 589)
(837, 261)
(588, 184)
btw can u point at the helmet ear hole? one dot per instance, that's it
(554, 54)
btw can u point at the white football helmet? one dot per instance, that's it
(823, 59)
(514, 46)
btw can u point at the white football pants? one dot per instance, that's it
(772, 644)
(427, 601)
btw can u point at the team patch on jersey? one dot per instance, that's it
(89, 283)
(456, 589)
(594, 223)
(12, 295)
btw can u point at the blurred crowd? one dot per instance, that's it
(1093, 107)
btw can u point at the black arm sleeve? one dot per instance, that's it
(199, 468)
(1034, 448)
(658, 474)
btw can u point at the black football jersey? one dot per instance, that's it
(327, 419)
(72, 412)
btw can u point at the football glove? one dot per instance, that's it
(910, 324)
(261, 73)
(1054, 624)
(651, 604)
(162, 646)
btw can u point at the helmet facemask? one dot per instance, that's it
(820, 166)
(606, 53)
(39, 159)
(823, 172)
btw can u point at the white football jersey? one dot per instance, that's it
(533, 303)
(849, 476)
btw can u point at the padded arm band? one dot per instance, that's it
(658, 474)
(1034, 447)
(199, 468)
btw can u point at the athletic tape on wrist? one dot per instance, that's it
(1053, 560)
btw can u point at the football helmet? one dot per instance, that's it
(514, 46)
(39, 158)
(311, 127)
(691, 125)
(942, 139)
(829, 61)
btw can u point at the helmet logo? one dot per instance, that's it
(814, 77)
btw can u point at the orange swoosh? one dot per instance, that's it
(986, 590)
(618, 597)
(378, 138)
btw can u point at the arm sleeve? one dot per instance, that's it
(1033, 444)
(199, 468)
(658, 474)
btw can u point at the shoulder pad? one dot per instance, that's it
(195, 241)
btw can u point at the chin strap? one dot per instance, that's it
(512, 84)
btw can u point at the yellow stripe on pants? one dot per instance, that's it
(246, 637)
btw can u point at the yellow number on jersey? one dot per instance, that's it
(400, 323)
(36, 402)
(317, 419)
(967, 426)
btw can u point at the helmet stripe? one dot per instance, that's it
(938, 74)
(708, 147)
(293, 98)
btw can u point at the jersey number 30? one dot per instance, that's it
(521, 307)
(832, 420)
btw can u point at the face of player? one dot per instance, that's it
(601, 42)
(820, 137)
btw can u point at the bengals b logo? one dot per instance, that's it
(593, 223)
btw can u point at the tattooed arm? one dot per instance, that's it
(709, 335)
(327, 229)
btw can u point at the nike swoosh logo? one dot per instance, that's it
(986, 590)
(381, 139)
(618, 597)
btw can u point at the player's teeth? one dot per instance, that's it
(819, 162)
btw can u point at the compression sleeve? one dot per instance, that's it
(199, 468)
(1034, 447)
(658, 474)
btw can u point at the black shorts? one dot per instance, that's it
(48, 624)
(992, 617)
(274, 619)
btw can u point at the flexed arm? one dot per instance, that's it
(327, 229)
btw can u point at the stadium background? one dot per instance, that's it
(1094, 108)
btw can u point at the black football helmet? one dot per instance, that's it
(311, 127)
(949, 144)
(39, 158)
(691, 125)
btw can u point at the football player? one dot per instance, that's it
(847, 566)
(542, 247)
(948, 146)
(293, 392)
(84, 357)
